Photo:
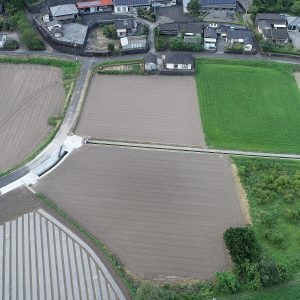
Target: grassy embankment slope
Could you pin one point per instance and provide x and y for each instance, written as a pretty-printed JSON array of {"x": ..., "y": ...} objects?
[{"x": 249, "y": 105}]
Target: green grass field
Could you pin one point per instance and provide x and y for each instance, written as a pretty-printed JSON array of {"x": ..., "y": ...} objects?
[
  {"x": 249, "y": 105},
  {"x": 273, "y": 190}
]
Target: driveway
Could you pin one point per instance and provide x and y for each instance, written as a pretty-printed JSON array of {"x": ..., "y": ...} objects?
[
  {"x": 295, "y": 37},
  {"x": 173, "y": 14}
]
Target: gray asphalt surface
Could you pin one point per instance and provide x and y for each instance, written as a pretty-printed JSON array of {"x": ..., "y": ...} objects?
[
  {"x": 162, "y": 213},
  {"x": 158, "y": 109}
]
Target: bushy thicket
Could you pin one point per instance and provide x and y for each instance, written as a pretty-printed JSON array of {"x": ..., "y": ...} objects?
[
  {"x": 29, "y": 36},
  {"x": 175, "y": 43},
  {"x": 110, "y": 31},
  {"x": 251, "y": 268}
]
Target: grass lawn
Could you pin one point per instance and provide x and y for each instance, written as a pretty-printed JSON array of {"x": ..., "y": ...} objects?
[
  {"x": 287, "y": 293},
  {"x": 249, "y": 105},
  {"x": 273, "y": 190}
]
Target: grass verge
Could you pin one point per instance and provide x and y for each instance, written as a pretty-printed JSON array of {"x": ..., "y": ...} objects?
[
  {"x": 70, "y": 71},
  {"x": 249, "y": 105}
]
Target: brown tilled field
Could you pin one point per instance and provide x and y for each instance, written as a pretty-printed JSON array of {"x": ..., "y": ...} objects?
[
  {"x": 157, "y": 109},
  {"x": 30, "y": 94},
  {"x": 163, "y": 213}
]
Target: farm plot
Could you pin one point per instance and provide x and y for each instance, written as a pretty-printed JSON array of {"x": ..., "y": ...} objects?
[
  {"x": 30, "y": 94},
  {"x": 249, "y": 105},
  {"x": 162, "y": 213},
  {"x": 142, "y": 108}
]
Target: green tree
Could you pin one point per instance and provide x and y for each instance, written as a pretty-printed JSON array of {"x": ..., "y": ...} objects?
[
  {"x": 111, "y": 47},
  {"x": 227, "y": 282},
  {"x": 193, "y": 7},
  {"x": 295, "y": 9}
]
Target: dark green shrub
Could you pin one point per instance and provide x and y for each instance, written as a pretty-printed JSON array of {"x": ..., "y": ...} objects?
[
  {"x": 292, "y": 214},
  {"x": 111, "y": 47},
  {"x": 11, "y": 44},
  {"x": 227, "y": 282},
  {"x": 110, "y": 31},
  {"x": 53, "y": 120},
  {"x": 242, "y": 244},
  {"x": 274, "y": 237},
  {"x": 272, "y": 273},
  {"x": 268, "y": 218}
]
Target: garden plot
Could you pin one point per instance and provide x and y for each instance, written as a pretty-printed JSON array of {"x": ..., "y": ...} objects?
[
  {"x": 30, "y": 94},
  {"x": 162, "y": 213},
  {"x": 143, "y": 108}
]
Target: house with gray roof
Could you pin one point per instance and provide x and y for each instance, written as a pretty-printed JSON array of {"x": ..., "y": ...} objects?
[
  {"x": 133, "y": 42},
  {"x": 125, "y": 27},
  {"x": 238, "y": 34},
  {"x": 174, "y": 61},
  {"x": 210, "y": 38},
  {"x": 130, "y": 6},
  {"x": 64, "y": 12},
  {"x": 272, "y": 27},
  {"x": 293, "y": 23}
]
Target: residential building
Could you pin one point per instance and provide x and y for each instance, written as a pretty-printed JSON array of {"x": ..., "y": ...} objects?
[
  {"x": 94, "y": 6},
  {"x": 178, "y": 61},
  {"x": 2, "y": 40},
  {"x": 239, "y": 34},
  {"x": 210, "y": 39},
  {"x": 45, "y": 12},
  {"x": 150, "y": 62},
  {"x": 133, "y": 42},
  {"x": 224, "y": 5},
  {"x": 171, "y": 29},
  {"x": 273, "y": 27},
  {"x": 293, "y": 23},
  {"x": 175, "y": 29},
  {"x": 130, "y": 6},
  {"x": 163, "y": 3},
  {"x": 64, "y": 12},
  {"x": 125, "y": 27}
]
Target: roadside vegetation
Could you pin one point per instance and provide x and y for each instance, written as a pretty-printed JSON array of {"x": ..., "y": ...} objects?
[
  {"x": 17, "y": 18},
  {"x": 249, "y": 105},
  {"x": 121, "y": 67},
  {"x": 70, "y": 71}
]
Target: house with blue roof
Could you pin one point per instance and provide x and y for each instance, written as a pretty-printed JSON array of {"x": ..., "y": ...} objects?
[
  {"x": 224, "y": 5},
  {"x": 129, "y": 6},
  {"x": 209, "y": 5}
]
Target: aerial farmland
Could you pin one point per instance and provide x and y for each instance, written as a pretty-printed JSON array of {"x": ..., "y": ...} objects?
[{"x": 30, "y": 94}]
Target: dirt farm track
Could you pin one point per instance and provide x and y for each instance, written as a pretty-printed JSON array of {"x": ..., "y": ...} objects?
[
  {"x": 163, "y": 213},
  {"x": 158, "y": 109},
  {"x": 29, "y": 95}
]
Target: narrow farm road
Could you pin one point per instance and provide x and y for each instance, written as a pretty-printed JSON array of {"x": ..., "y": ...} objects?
[{"x": 180, "y": 148}]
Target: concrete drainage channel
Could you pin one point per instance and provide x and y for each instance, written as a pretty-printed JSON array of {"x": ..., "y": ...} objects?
[{"x": 42, "y": 168}]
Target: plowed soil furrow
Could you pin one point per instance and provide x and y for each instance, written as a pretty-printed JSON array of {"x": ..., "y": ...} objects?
[{"x": 30, "y": 94}]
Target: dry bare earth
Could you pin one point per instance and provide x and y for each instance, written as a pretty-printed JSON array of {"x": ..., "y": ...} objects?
[
  {"x": 162, "y": 213},
  {"x": 30, "y": 94},
  {"x": 143, "y": 108}
]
